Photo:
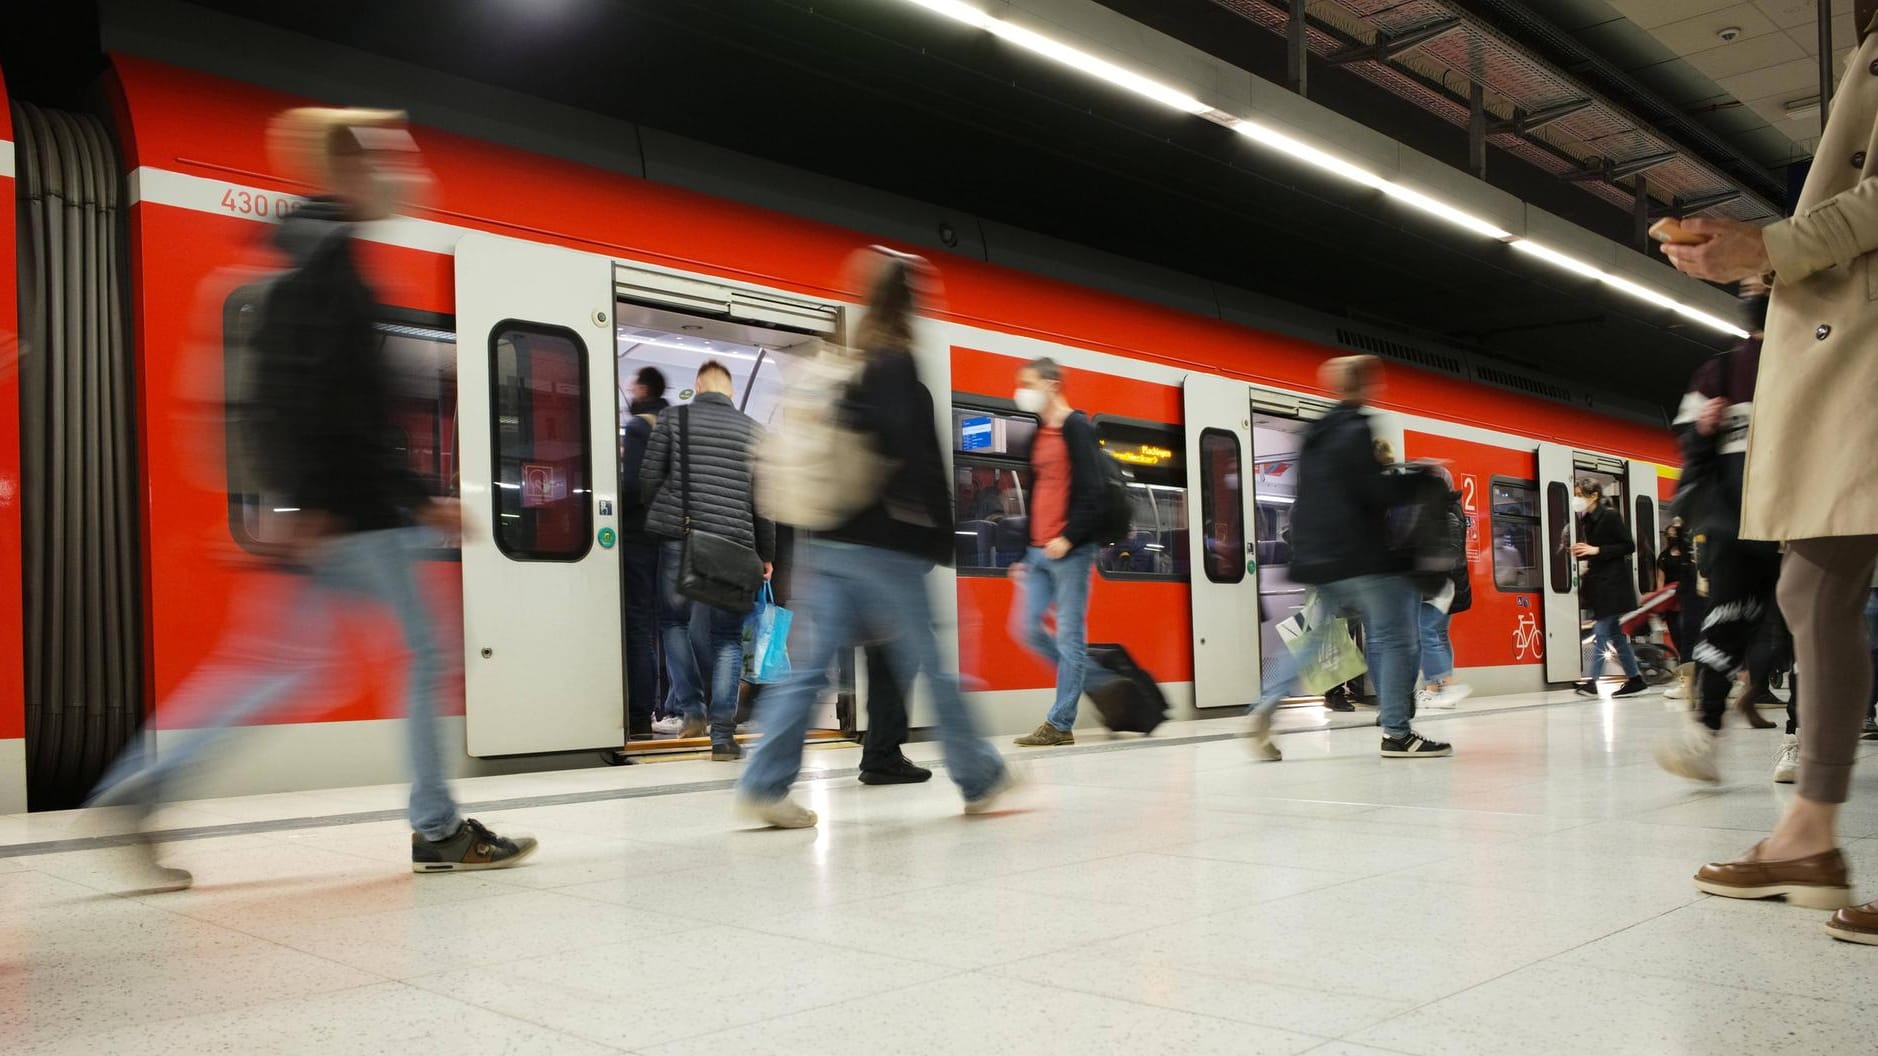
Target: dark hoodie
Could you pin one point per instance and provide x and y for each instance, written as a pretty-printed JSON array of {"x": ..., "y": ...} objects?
[
  {"x": 1338, "y": 524},
  {"x": 642, "y": 416},
  {"x": 321, "y": 398},
  {"x": 1720, "y": 460}
]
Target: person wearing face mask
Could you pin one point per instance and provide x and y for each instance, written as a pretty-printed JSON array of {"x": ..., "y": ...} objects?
[
  {"x": 319, "y": 408},
  {"x": 1065, "y": 511},
  {"x": 1604, "y": 544}
]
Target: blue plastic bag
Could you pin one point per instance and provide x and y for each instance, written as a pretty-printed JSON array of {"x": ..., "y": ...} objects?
[{"x": 766, "y": 640}]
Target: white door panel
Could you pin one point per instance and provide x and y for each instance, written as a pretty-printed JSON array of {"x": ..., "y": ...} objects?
[
  {"x": 540, "y": 476},
  {"x": 1221, "y": 543},
  {"x": 1560, "y": 581}
]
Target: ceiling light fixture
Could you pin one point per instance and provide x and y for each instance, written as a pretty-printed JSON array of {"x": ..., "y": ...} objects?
[{"x": 1295, "y": 148}]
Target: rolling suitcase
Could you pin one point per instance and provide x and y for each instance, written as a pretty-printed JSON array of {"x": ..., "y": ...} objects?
[{"x": 1126, "y": 696}]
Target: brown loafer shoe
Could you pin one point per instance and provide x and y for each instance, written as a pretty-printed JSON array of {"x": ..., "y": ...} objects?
[
  {"x": 1817, "y": 882},
  {"x": 1855, "y": 924}
]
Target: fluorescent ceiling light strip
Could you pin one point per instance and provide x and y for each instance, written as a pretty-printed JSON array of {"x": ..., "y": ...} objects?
[{"x": 1057, "y": 51}]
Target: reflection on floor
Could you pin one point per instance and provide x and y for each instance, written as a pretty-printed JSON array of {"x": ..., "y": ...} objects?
[{"x": 1530, "y": 895}]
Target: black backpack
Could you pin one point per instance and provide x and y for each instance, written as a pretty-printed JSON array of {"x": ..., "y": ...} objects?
[
  {"x": 1127, "y": 698},
  {"x": 1417, "y": 531}
]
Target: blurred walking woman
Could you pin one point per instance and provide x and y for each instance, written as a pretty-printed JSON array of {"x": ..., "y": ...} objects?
[
  {"x": 865, "y": 581},
  {"x": 1606, "y": 588}
]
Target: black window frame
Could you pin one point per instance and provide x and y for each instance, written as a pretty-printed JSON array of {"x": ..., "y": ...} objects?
[
  {"x": 1537, "y": 521},
  {"x": 529, "y": 326},
  {"x": 1644, "y": 530},
  {"x": 1178, "y": 445},
  {"x": 1208, "y": 498},
  {"x": 993, "y": 405},
  {"x": 249, "y": 294},
  {"x": 1558, "y": 503}
]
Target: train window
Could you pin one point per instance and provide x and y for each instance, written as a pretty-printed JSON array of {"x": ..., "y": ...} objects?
[
  {"x": 541, "y": 442},
  {"x": 1516, "y": 535},
  {"x": 1222, "y": 507},
  {"x": 421, "y": 349},
  {"x": 993, "y": 517},
  {"x": 1558, "y": 506},
  {"x": 979, "y": 433},
  {"x": 1156, "y": 545},
  {"x": 1646, "y": 544}
]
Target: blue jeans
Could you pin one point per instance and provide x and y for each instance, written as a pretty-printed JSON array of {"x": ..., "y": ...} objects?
[
  {"x": 1281, "y": 674},
  {"x": 1387, "y": 606},
  {"x": 639, "y": 585},
  {"x": 1437, "y": 650},
  {"x": 1064, "y": 585},
  {"x": 855, "y": 594},
  {"x": 681, "y": 662},
  {"x": 1607, "y": 632},
  {"x": 247, "y": 677}
]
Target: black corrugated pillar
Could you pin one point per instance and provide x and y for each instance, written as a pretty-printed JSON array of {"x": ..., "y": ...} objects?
[
  {"x": 1298, "y": 51},
  {"x": 1825, "y": 61},
  {"x": 1640, "y": 211},
  {"x": 1477, "y": 131}
]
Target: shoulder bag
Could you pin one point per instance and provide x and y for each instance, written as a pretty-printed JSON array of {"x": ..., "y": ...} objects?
[{"x": 712, "y": 569}]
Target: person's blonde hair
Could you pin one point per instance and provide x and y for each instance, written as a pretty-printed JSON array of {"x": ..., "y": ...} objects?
[
  {"x": 1350, "y": 377},
  {"x": 303, "y": 143}
]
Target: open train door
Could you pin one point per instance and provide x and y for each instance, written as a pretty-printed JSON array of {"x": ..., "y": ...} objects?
[
  {"x": 1557, "y": 525},
  {"x": 1640, "y": 487},
  {"x": 1225, "y": 576},
  {"x": 537, "y": 414}
]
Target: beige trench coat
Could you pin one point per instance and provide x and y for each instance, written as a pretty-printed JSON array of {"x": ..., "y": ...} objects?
[{"x": 1812, "y": 468}]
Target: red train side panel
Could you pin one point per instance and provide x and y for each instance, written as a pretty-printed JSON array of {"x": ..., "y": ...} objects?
[{"x": 12, "y": 620}]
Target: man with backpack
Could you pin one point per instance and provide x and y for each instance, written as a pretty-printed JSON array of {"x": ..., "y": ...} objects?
[
  {"x": 698, "y": 477},
  {"x": 1066, "y": 511},
  {"x": 1343, "y": 545},
  {"x": 639, "y": 556}
]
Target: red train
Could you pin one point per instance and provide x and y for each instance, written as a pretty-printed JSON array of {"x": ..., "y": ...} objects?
[{"x": 531, "y": 287}]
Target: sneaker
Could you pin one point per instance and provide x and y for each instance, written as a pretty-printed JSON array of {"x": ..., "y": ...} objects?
[
  {"x": 1046, "y": 736},
  {"x": 901, "y": 771},
  {"x": 473, "y": 847},
  {"x": 153, "y": 877},
  {"x": 693, "y": 729},
  {"x": 1631, "y": 687},
  {"x": 1586, "y": 687},
  {"x": 667, "y": 726},
  {"x": 1424, "y": 699},
  {"x": 1690, "y": 753},
  {"x": 1677, "y": 691},
  {"x": 1414, "y": 746},
  {"x": 1338, "y": 700},
  {"x": 1787, "y": 763},
  {"x": 1262, "y": 746},
  {"x": 1450, "y": 695},
  {"x": 987, "y": 801},
  {"x": 726, "y": 752},
  {"x": 1871, "y": 730},
  {"x": 784, "y": 813}
]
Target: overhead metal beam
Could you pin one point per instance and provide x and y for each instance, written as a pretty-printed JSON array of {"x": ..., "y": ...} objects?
[
  {"x": 1682, "y": 207},
  {"x": 1386, "y": 48},
  {"x": 1522, "y": 124},
  {"x": 1297, "y": 50},
  {"x": 1622, "y": 169},
  {"x": 1477, "y": 130},
  {"x": 1640, "y": 215}
]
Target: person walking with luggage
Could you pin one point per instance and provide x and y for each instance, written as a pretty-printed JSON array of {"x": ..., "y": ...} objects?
[
  {"x": 1742, "y": 631},
  {"x": 865, "y": 580},
  {"x": 697, "y": 476},
  {"x": 1065, "y": 510},
  {"x": 1809, "y": 481},
  {"x": 1603, "y": 545},
  {"x": 639, "y": 556},
  {"x": 320, "y": 410},
  {"x": 1439, "y": 689},
  {"x": 1341, "y": 547}
]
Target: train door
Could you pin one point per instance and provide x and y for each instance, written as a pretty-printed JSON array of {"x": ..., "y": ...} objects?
[
  {"x": 1559, "y": 468},
  {"x": 1221, "y": 547},
  {"x": 1279, "y": 422},
  {"x": 541, "y": 603}
]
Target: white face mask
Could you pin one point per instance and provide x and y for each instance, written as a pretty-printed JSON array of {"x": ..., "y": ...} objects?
[
  {"x": 1030, "y": 401},
  {"x": 1580, "y": 504}
]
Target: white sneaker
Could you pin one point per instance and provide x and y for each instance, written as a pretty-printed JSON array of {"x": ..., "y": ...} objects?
[
  {"x": 1690, "y": 754},
  {"x": 784, "y": 813},
  {"x": 668, "y": 725},
  {"x": 1787, "y": 763},
  {"x": 1449, "y": 696},
  {"x": 1424, "y": 699},
  {"x": 1262, "y": 746},
  {"x": 988, "y": 800},
  {"x": 1677, "y": 690}
]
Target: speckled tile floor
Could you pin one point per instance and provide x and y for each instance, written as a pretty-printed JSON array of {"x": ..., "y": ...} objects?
[{"x": 1530, "y": 895}]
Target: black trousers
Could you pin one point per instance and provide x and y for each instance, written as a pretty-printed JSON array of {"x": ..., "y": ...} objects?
[
  {"x": 887, "y": 724},
  {"x": 1742, "y": 579}
]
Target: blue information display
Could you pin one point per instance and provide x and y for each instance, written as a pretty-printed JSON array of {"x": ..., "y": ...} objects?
[{"x": 975, "y": 434}]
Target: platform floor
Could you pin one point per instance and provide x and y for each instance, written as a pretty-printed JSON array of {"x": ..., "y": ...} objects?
[{"x": 1530, "y": 895}]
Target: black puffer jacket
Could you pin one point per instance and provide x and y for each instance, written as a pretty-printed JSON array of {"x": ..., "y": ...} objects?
[
  {"x": 721, "y": 463},
  {"x": 914, "y": 512},
  {"x": 1338, "y": 526},
  {"x": 1607, "y": 589},
  {"x": 317, "y": 409}
]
